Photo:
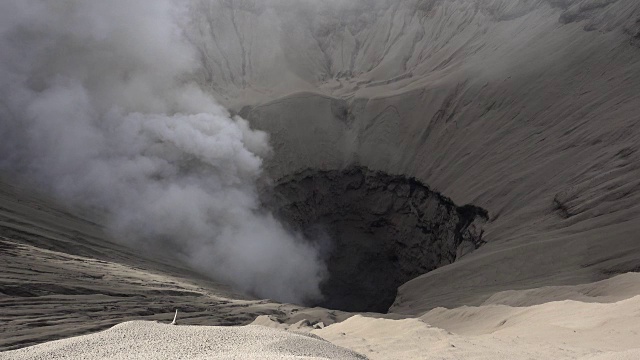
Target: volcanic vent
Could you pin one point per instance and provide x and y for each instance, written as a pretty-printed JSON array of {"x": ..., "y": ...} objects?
[{"x": 379, "y": 231}]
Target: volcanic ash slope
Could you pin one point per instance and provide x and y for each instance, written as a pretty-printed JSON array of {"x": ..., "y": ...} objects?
[{"x": 528, "y": 109}]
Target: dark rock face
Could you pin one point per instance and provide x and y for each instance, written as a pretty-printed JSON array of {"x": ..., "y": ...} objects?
[{"x": 379, "y": 231}]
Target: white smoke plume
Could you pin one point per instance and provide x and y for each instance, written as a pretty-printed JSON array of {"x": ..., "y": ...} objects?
[{"x": 96, "y": 106}]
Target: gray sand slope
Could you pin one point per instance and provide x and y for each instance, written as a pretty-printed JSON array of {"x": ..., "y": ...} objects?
[
  {"x": 604, "y": 324},
  {"x": 526, "y": 108},
  {"x": 61, "y": 276},
  {"x": 149, "y": 340}
]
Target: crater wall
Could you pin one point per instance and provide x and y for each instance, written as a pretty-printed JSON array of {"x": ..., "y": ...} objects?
[{"x": 377, "y": 231}]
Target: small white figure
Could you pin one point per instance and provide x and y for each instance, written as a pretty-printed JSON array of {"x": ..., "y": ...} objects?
[{"x": 174, "y": 318}]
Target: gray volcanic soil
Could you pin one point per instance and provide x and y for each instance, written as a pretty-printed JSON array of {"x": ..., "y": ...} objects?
[
  {"x": 378, "y": 231},
  {"x": 61, "y": 276},
  {"x": 526, "y": 108}
]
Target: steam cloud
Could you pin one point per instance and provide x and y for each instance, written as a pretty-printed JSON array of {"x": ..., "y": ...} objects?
[{"x": 96, "y": 106}]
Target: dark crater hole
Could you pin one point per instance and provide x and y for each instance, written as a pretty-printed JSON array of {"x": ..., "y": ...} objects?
[{"x": 377, "y": 230}]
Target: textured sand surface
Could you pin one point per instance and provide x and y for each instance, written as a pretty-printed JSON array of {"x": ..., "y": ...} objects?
[
  {"x": 150, "y": 340},
  {"x": 553, "y": 330},
  {"x": 603, "y": 325}
]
